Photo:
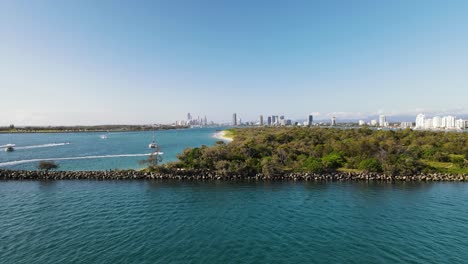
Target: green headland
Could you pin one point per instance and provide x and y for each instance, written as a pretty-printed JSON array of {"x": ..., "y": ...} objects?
[{"x": 272, "y": 151}]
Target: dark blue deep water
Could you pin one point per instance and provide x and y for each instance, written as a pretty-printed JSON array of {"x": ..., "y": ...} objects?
[{"x": 223, "y": 222}]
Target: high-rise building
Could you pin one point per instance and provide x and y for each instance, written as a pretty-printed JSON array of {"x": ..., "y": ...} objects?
[
  {"x": 420, "y": 121},
  {"x": 269, "y": 121},
  {"x": 448, "y": 122},
  {"x": 382, "y": 120},
  {"x": 333, "y": 121},
  {"x": 460, "y": 124},
  {"x": 205, "y": 121},
  {"x": 436, "y": 122},
  {"x": 406, "y": 124},
  {"x": 261, "y": 120},
  {"x": 234, "y": 119},
  {"x": 189, "y": 117},
  {"x": 428, "y": 123},
  {"x": 310, "y": 120},
  {"x": 361, "y": 122}
]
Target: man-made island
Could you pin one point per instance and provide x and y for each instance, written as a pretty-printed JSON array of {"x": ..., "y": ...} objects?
[{"x": 308, "y": 154}]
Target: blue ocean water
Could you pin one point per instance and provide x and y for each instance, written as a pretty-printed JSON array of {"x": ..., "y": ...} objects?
[
  {"x": 226, "y": 222},
  {"x": 121, "y": 150}
]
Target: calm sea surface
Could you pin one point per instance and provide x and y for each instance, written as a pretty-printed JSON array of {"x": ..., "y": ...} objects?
[
  {"x": 118, "y": 151},
  {"x": 209, "y": 222}
]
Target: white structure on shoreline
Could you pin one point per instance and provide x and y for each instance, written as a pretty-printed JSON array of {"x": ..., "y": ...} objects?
[
  {"x": 420, "y": 121},
  {"x": 406, "y": 124},
  {"x": 383, "y": 121},
  {"x": 437, "y": 122}
]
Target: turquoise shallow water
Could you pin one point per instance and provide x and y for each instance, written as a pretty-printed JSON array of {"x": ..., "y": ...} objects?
[
  {"x": 118, "y": 151},
  {"x": 223, "y": 222}
]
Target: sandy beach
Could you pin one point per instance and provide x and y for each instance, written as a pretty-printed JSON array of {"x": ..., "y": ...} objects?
[{"x": 222, "y": 135}]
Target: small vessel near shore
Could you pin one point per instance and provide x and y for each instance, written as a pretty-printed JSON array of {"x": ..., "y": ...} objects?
[
  {"x": 9, "y": 147},
  {"x": 104, "y": 136},
  {"x": 153, "y": 144}
]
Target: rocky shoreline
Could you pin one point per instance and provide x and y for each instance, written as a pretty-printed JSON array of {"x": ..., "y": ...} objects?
[{"x": 195, "y": 175}]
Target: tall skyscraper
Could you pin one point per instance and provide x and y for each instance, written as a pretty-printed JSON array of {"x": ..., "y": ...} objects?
[
  {"x": 436, "y": 122},
  {"x": 189, "y": 117},
  {"x": 310, "y": 120},
  {"x": 261, "y": 120},
  {"x": 420, "y": 121},
  {"x": 269, "y": 121},
  {"x": 333, "y": 121},
  {"x": 234, "y": 119},
  {"x": 382, "y": 120},
  {"x": 448, "y": 122}
]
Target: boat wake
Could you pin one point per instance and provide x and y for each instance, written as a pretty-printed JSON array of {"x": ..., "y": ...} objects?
[
  {"x": 44, "y": 145},
  {"x": 17, "y": 162}
]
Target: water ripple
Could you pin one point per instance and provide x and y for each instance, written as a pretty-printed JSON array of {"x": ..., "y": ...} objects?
[{"x": 176, "y": 222}]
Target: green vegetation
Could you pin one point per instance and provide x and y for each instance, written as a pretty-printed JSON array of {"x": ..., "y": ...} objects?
[
  {"x": 47, "y": 165},
  {"x": 274, "y": 151},
  {"x": 153, "y": 160},
  {"x": 230, "y": 133}
]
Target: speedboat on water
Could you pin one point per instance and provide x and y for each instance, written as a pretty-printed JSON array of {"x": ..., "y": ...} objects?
[
  {"x": 103, "y": 136},
  {"x": 9, "y": 147}
]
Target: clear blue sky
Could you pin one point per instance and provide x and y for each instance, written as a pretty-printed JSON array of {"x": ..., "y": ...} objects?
[{"x": 96, "y": 62}]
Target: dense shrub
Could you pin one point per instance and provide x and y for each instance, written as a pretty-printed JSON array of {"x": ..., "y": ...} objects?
[
  {"x": 273, "y": 151},
  {"x": 370, "y": 165}
]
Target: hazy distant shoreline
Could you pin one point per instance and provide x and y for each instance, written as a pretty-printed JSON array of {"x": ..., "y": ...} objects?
[{"x": 88, "y": 129}]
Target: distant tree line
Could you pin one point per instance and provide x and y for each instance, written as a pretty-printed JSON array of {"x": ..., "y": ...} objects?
[
  {"x": 100, "y": 128},
  {"x": 274, "y": 151}
]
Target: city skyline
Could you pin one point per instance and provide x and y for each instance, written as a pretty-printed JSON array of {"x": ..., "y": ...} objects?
[{"x": 88, "y": 63}]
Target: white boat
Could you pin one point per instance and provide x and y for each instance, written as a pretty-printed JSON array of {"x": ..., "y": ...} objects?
[
  {"x": 152, "y": 145},
  {"x": 105, "y": 135},
  {"x": 9, "y": 147}
]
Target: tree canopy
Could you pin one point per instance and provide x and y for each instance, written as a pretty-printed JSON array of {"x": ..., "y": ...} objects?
[
  {"x": 47, "y": 165},
  {"x": 274, "y": 151}
]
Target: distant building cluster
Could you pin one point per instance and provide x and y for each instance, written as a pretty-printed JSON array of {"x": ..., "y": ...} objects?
[
  {"x": 382, "y": 122},
  {"x": 192, "y": 121},
  {"x": 422, "y": 122},
  {"x": 279, "y": 120},
  {"x": 438, "y": 122},
  {"x": 275, "y": 120}
]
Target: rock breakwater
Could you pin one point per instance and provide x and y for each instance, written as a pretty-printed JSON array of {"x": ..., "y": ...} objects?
[{"x": 191, "y": 175}]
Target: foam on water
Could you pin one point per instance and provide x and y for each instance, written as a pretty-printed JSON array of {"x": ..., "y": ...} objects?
[
  {"x": 43, "y": 146},
  {"x": 52, "y": 146},
  {"x": 60, "y": 222},
  {"x": 17, "y": 162}
]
